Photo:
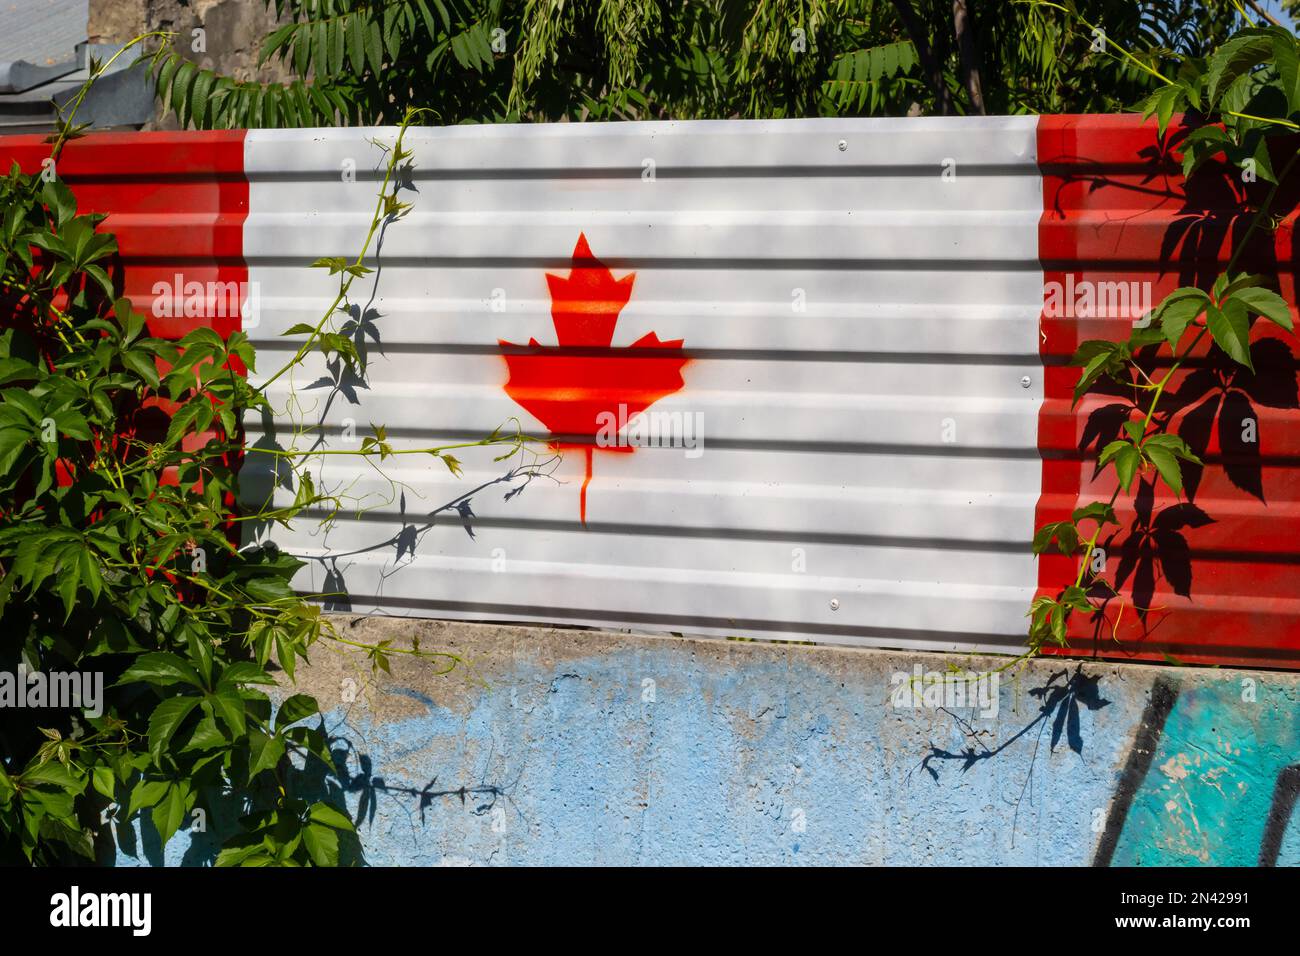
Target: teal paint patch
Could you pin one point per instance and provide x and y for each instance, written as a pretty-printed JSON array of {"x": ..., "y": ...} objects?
[{"x": 1209, "y": 792}]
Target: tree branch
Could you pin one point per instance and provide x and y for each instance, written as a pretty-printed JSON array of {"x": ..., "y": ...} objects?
[
  {"x": 929, "y": 65},
  {"x": 1264, "y": 13},
  {"x": 964, "y": 27}
]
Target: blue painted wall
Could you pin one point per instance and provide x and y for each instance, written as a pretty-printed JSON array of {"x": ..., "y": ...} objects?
[{"x": 585, "y": 748}]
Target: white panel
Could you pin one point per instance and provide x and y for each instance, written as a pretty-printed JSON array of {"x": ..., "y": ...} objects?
[{"x": 859, "y": 329}]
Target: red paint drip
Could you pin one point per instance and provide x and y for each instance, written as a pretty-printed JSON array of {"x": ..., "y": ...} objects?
[{"x": 582, "y": 496}]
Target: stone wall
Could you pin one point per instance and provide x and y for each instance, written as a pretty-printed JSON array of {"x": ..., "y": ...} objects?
[{"x": 233, "y": 31}]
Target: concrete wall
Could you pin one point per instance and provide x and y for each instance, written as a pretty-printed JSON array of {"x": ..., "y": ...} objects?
[
  {"x": 585, "y": 747},
  {"x": 233, "y": 31}
]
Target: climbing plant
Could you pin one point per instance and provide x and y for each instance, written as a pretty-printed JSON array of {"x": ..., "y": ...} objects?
[
  {"x": 120, "y": 555},
  {"x": 1243, "y": 106}
]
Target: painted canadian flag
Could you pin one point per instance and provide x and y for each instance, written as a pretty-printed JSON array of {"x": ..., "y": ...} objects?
[{"x": 879, "y": 314}]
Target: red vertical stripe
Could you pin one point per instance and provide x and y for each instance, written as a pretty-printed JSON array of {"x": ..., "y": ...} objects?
[
  {"x": 1217, "y": 571},
  {"x": 176, "y": 203}
]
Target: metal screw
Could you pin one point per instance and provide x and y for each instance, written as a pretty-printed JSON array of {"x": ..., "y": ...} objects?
[
  {"x": 835, "y": 604},
  {"x": 1024, "y": 382},
  {"x": 844, "y": 144}
]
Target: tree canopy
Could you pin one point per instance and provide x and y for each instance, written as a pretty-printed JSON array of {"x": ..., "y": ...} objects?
[{"x": 367, "y": 61}]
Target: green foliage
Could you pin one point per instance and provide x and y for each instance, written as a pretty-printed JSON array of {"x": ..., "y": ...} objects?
[
  {"x": 363, "y": 62},
  {"x": 100, "y": 526},
  {"x": 118, "y": 557},
  {"x": 1251, "y": 84},
  {"x": 860, "y": 79}
]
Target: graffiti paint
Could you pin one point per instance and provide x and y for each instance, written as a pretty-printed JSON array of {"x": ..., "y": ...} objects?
[{"x": 1212, "y": 783}]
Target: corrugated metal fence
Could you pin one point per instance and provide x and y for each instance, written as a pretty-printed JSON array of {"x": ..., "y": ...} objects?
[{"x": 837, "y": 323}]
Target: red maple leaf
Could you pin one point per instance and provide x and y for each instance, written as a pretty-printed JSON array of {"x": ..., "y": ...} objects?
[{"x": 570, "y": 385}]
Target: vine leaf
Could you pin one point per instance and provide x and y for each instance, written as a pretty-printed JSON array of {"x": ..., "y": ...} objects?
[{"x": 1230, "y": 327}]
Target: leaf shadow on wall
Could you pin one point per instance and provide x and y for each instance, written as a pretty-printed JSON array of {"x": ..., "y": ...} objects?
[
  {"x": 311, "y": 782},
  {"x": 346, "y": 382},
  {"x": 1061, "y": 701},
  {"x": 404, "y": 541},
  {"x": 480, "y": 797},
  {"x": 1060, "y": 698}
]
